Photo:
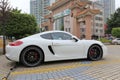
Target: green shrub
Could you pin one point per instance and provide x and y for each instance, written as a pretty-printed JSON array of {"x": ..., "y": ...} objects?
[{"x": 116, "y": 32}]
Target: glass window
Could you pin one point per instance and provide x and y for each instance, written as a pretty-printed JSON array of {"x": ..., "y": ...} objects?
[
  {"x": 101, "y": 25},
  {"x": 97, "y": 24},
  {"x": 65, "y": 29},
  {"x": 46, "y": 36},
  {"x": 96, "y": 30},
  {"x": 61, "y": 36},
  {"x": 101, "y": 31},
  {"x": 69, "y": 29},
  {"x": 82, "y": 29}
]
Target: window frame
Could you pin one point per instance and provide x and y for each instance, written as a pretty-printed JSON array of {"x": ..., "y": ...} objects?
[{"x": 52, "y": 38}]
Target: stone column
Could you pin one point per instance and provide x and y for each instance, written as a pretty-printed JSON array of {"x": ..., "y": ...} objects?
[
  {"x": 88, "y": 32},
  {"x": 75, "y": 27},
  {"x": 50, "y": 27},
  {"x": 75, "y": 24}
]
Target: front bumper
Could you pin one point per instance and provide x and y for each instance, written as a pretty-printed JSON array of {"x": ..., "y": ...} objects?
[{"x": 105, "y": 51}]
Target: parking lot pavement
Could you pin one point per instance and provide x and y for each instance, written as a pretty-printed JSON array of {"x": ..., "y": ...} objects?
[{"x": 105, "y": 69}]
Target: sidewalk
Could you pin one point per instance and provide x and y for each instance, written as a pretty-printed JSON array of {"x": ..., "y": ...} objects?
[{"x": 5, "y": 65}]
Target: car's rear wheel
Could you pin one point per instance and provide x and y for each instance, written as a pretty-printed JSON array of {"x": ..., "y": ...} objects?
[
  {"x": 31, "y": 56},
  {"x": 95, "y": 53}
]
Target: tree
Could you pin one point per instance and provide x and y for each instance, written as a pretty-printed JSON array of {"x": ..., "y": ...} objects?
[
  {"x": 20, "y": 25},
  {"x": 116, "y": 32},
  {"x": 113, "y": 21},
  {"x": 15, "y": 10},
  {"x": 4, "y": 16}
]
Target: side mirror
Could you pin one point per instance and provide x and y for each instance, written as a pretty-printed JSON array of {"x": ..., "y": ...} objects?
[{"x": 75, "y": 38}]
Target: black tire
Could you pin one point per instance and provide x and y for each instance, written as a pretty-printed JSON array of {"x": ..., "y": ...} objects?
[
  {"x": 31, "y": 56},
  {"x": 95, "y": 53}
]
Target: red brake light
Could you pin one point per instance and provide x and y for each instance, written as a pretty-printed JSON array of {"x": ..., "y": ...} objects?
[{"x": 16, "y": 43}]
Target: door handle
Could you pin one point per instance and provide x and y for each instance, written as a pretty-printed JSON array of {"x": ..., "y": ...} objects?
[{"x": 56, "y": 43}]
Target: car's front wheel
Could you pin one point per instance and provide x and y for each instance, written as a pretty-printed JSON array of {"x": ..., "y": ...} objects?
[
  {"x": 31, "y": 56},
  {"x": 95, "y": 53}
]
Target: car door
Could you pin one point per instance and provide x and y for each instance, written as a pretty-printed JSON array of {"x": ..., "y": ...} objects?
[
  {"x": 118, "y": 40},
  {"x": 64, "y": 46}
]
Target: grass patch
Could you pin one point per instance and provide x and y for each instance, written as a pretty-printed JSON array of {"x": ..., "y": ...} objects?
[{"x": 104, "y": 40}]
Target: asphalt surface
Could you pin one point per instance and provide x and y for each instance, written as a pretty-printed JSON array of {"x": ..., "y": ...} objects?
[{"x": 82, "y": 69}]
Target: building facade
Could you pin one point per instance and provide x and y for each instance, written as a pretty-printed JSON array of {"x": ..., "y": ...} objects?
[
  {"x": 78, "y": 17},
  {"x": 98, "y": 26},
  {"x": 109, "y": 8},
  {"x": 38, "y": 9}
]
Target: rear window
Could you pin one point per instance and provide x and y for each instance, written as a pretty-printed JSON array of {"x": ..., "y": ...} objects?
[{"x": 46, "y": 36}]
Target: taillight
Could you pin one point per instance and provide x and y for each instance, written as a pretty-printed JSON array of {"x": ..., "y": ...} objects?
[{"x": 16, "y": 43}]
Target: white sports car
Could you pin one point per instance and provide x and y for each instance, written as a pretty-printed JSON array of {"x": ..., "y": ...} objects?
[{"x": 51, "y": 46}]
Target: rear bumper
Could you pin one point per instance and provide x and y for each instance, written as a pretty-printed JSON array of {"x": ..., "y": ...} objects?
[
  {"x": 8, "y": 58},
  {"x": 13, "y": 53}
]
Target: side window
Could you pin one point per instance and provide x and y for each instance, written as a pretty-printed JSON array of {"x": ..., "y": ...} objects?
[
  {"x": 67, "y": 36},
  {"x": 46, "y": 36},
  {"x": 61, "y": 36}
]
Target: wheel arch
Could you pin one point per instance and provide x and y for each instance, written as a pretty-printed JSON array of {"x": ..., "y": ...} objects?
[
  {"x": 32, "y": 46},
  {"x": 93, "y": 45}
]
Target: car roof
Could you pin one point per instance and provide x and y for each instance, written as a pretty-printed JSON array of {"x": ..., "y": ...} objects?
[{"x": 54, "y": 31}]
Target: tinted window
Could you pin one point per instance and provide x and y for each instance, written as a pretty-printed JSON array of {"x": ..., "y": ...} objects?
[
  {"x": 61, "y": 36},
  {"x": 46, "y": 36}
]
